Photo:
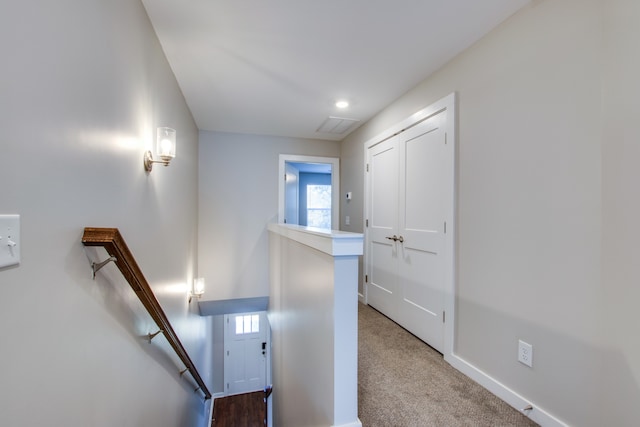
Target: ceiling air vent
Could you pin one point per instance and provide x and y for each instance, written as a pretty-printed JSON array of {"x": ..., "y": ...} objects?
[{"x": 337, "y": 125}]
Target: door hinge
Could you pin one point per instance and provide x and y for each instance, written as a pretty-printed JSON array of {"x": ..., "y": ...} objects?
[
  {"x": 366, "y": 278},
  {"x": 443, "y": 316},
  {"x": 227, "y": 386},
  {"x": 445, "y": 227},
  {"x": 367, "y": 223},
  {"x": 285, "y": 177},
  {"x": 227, "y": 352},
  {"x": 445, "y": 138},
  {"x": 367, "y": 167}
]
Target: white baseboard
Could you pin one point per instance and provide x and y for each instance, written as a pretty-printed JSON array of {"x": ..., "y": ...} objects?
[
  {"x": 537, "y": 414},
  {"x": 210, "y": 419},
  {"x": 356, "y": 423},
  {"x": 361, "y": 298}
]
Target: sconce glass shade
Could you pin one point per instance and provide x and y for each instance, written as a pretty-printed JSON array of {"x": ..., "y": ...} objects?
[
  {"x": 166, "y": 144},
  {"x": 198, "y": 286},
  {"x": 165, "y": 148}
]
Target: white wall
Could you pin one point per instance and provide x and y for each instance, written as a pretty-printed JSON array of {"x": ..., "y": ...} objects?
[
  {"x": 84, "y": 85},
  {"x": 352, "y": 173},
  {"x": 621, "y": 212},
  {"x": 238, "y": 197},
  {"x": 529, "y": 202}
]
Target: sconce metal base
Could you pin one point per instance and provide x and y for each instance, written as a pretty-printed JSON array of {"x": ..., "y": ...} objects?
[{"x": 148, "y": 161}]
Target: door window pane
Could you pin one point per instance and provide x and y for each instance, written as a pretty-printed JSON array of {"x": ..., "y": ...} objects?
[
  {"x": 255, "y": 323},
  {"x": 247, "y": 324},
  {"x": 239, "y": 325}
]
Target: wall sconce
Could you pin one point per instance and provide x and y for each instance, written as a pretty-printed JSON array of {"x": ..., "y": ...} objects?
[
  {"x": 198, "y": 288},
  {"x": 165, "y": 148}
]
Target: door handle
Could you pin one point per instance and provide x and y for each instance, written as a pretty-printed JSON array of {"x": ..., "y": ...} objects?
[
  {"x": 401, "y": 239},
  {"x": 394, "y": 238}
]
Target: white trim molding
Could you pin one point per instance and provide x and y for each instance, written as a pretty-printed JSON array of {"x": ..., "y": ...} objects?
[
  {"x": 536, "y": 414},
  {"x": 353, "y": 424},
  {"x": 331, "y": 242}
]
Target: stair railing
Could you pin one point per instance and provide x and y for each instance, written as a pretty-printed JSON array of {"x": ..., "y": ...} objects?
[{"x": 114, "y": 244}]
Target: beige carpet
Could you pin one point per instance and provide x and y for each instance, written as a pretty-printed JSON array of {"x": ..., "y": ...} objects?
[{"x": 404, "y": 382}]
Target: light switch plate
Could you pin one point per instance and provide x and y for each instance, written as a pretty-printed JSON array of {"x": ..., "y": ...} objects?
[{"x": 9, "y": 240}]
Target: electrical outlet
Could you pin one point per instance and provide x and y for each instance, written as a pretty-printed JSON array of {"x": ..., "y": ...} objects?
[{"x": 525, "y": 353}]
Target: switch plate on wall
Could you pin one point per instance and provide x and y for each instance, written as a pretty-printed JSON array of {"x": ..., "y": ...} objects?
[
  {"x": 9, "y": 240},
  {"x": 525, "y": 353}
]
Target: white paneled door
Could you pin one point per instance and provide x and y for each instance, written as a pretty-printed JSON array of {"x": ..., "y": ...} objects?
[
  {"x": 410, "y": 184},
  {"x": 245, "y": 346},
  {"x": 383, "y": 226}
]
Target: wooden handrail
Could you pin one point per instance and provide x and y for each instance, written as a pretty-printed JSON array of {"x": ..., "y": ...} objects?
[{"x": 112, "y": 241}]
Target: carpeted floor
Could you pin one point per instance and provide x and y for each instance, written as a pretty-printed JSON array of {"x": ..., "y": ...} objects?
[{"x": 403, "y": 382}]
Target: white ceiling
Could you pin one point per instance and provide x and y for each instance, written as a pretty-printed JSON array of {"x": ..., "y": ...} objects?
[{"x": 276, "y": 67}]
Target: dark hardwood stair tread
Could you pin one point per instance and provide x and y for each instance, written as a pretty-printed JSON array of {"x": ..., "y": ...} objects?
[{"x": 241, "y": 410}]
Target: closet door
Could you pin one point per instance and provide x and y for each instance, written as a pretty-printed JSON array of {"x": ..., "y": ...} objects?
[
  {"x": 382, "y": 250},
  {"x": 424, "y": 185},
  {"x": 409, "y": 189}
]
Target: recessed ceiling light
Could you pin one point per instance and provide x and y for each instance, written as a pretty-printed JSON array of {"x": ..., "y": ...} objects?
[{"x": 342, "y": 104}]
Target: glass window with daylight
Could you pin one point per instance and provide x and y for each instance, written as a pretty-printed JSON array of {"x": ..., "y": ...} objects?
[
  {"x": 247, "y": 324},
  {"x": 319, "y": 206}
]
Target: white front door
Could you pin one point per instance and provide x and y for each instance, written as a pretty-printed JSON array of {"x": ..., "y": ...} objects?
[
  {"x": 245, "y": 348},
  {"x": 410, "y": 184}
]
